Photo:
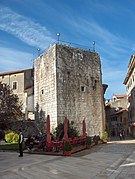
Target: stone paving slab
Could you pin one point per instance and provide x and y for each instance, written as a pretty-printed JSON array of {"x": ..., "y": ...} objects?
[{"x": 114, "y": 160}]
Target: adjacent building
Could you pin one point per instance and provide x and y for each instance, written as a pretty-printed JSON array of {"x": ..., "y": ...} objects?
[
  {"x": 130, "y": 90},
  {"x": 21, "y": 82},
  {"x": 117, "y": 114},
  {"x": 68, "y": 83}
]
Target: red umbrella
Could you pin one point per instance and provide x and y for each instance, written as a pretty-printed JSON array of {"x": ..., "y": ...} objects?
[
  {"x": 65, "y": 129},
  {"x": 48, "y": 140},
  {"x": 84, "y": 128}
]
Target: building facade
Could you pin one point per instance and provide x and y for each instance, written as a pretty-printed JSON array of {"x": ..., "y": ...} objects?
[
  {"x": 68, "y": 83},
  {"x": 21, "y": 82},
  {"x": 130, "y": 90},
  {"x": 117, "y": 114},
  {"x": 130, "y": 77}
]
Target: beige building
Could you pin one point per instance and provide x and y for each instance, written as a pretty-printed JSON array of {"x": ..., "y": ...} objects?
[
  {"x": 130, "y": 90},
  {"x": 130, "y": 77},
  {"x": 117, "y": 114},
  {"x": 68, "y": 82},
  {"x": 119, "y": 101},
  {"x": 21, "y": 82}
]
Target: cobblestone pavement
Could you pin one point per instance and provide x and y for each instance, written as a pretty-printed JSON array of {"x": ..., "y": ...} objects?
[{"x": 105, "y": 161}]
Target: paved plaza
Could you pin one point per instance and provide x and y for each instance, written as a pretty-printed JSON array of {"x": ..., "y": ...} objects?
[{"x": 105, "y": 161}]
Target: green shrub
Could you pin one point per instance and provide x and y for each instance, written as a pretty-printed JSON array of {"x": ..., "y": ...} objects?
[
  {"x": 105, "y": 135},
  {"x": 88, "y": 140},
  {"x": 67, "y": 146},
  {"x": 72, "y": 131},
  {"x": 11, "y": 137},
  {"x": 9, "y": 147},
  {"x": 15, "y": 138},
  {"x": 96, "y": 139}
]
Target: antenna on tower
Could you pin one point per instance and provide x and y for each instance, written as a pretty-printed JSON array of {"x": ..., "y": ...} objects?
[{"x": 94, "y": 46}]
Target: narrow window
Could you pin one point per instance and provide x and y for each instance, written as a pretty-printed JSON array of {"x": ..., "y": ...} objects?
[
  {"x": 14, "y": 85},
  {"x": 82, "y": 88},
  {"x": 68, "y": 73},
  {"x": 42, "y": 91}
]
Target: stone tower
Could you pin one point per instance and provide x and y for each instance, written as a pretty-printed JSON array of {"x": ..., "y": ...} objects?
[{"x": 68, "y": 82}]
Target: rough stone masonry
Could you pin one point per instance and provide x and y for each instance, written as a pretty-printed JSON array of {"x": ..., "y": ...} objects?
[{"x": 68, "y": 83}]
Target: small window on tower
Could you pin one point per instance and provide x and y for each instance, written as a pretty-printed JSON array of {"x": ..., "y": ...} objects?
[
  {"x": 82, "y": 88},
  {"x": 42, "y": 91}
]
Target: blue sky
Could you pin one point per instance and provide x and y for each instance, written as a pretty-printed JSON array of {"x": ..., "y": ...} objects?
[{"x": 26, "y": 25}]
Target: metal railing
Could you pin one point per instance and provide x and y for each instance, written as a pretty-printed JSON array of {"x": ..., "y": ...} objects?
[{"x": 69, "y": 44}]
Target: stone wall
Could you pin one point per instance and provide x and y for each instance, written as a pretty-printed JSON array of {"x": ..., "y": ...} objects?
[
  {"x": 45, "y": 85},
  {"x": 68, "y": 82},
  {"x": 79, "y": 88}
]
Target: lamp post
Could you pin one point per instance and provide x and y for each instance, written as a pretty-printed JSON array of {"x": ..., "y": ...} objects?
[
  {"x": 38, "y": 49},
  {"x": 93, "y": 46},
  {"x": 58, "y": 35}
]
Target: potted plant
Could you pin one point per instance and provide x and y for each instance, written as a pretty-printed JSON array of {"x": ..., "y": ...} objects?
[
  {"x": 88, "y": 142},
  {"x": 67, "y": 148},
  {"x": 105, "y": 137}
]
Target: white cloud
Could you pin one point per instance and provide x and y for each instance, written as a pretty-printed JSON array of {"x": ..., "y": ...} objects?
[
  {"x": 12, "y": 59},
  {"x": 91, "y": 29},
  {"x": 24, "y": 28},
  {"x": 114, "y": 77},
  {"x": 113, "y": 48}
]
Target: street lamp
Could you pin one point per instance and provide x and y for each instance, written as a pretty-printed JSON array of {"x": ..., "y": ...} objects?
[
  {"x": 93, "y": 46},
  {"x": 58, "y": 35},
  {"x": 38, "y": 49}
]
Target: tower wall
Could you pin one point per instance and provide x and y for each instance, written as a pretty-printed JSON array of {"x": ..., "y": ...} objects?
[
  {"x": 68, "y": 82},
  {"x": 79, "y": 88},
  {"x": 45, "y": 86}
]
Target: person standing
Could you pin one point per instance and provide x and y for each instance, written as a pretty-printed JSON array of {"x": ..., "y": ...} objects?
[
  {"x": 21, "y": 139},
  {"x": 120, "y": 134}
]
